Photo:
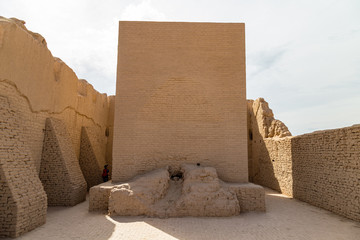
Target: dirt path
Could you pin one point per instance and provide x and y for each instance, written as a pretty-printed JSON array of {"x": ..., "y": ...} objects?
[{"x": 285, "y": 219}]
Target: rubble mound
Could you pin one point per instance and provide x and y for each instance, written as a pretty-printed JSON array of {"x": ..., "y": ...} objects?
[
  {"x": 139, "y": 196},
  {"x": 203, "y": 194},
  {"x": 190, "y": 191}
]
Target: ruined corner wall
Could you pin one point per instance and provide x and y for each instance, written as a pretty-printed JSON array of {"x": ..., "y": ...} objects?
[
  {"x": 37, "y": 86},
  {"x": 320, "y": 168},
  {"x": 180, "y": 98},
  {"x": 269, "y": 148}
]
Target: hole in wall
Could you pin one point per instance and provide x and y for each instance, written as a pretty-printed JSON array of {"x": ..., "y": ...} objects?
[
  {"x": 250, "y": 135},
  {"x": 107, "y": 132},
  {"x": 176, "y": 175}
]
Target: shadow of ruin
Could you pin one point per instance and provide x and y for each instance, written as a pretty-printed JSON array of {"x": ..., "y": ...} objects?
[{"x": 180, "y": 138}]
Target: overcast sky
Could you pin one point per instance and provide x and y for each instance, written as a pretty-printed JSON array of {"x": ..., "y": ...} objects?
[{"x": 303, "y": 57}]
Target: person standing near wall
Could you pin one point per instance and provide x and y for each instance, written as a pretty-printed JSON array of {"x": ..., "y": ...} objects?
[{"x": 105, "y": 174}]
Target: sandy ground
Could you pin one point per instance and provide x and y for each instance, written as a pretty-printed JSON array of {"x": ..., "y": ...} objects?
[{"x": 285, "y": 219}]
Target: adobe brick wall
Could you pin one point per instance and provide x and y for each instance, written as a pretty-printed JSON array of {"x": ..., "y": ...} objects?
[
  {"x": 270, "y": 159},
  {"x": 38, "y": 86},
  {"x": 274, "y": 159},
  {"x": 99, "y": 196},
  {"x": 41, "y": 86},
  {"x": 110, "y": 132},
  {"x": 320, "y": 168},
  {"x": 180, "y": 98},
  {"x": 326, "y": 170},
  {"x": 60, "y": 171},
  {"x": 92, "y": 156},
  {"x": 251, "y": 197},
  {"x": 22, "y": 197}
]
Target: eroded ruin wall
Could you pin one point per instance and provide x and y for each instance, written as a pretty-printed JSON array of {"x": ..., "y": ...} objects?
[
  {"x": 320, "y": 168},
  {"x": 22, "y": 197},
  {"x": 180, "y": 98},
  {"x": 269, "y": 148},
  {"x": 38, "y": 86}
]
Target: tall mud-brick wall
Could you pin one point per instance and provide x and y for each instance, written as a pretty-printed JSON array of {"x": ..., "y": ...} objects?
[
  {"x": 269, "y": 148},
  {"x": 326, "y": 170},
  {"x": 320, "y": 168},
  {"x": 60, "y": 170},
  {"x": 22, "y": 197},
  {"x": 180, "y": 98},
  {"x": 38, "y": 86}
]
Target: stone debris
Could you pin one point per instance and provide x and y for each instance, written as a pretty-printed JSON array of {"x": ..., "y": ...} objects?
[
  {"x": 139, "y": 196},
  {"x": 204, "y": 195}
]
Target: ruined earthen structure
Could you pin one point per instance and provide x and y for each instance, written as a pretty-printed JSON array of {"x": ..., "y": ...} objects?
[
  {"x": 39, "y": 158},
  {"x": 182, "y": 125},
  {"x": 320, "y": 168},
  {"x": 190, "y": 190}
]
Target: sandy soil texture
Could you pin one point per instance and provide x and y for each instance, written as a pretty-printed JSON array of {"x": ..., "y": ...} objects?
[{"x": 285, "y": 219}]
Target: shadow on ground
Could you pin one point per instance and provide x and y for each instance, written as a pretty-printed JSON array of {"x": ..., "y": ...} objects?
[{"x": 285, "y": 218}]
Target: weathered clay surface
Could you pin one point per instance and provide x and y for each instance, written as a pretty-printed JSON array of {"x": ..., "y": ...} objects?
[
  {"x": 203, "y": 194},
  {"x": 268, "y": 126},
  {"x": 35, "y": 86},
  {"x": 138, "y": 197},
  {"x": 198, "y": 193}
]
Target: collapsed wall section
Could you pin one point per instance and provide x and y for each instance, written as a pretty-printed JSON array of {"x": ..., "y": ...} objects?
[
  {"x": 180, "y": 98},
  {"x": 189, "y": 191},
  {"x": 60, "y": 172},
  {"x": 22, "y": 196}
]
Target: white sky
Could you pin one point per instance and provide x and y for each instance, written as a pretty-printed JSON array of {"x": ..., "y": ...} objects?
[{"x": 303, "y": 57}]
